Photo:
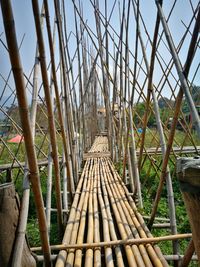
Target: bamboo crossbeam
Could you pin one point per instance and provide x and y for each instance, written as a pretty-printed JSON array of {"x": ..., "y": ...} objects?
[
  {"x": 117, "y": 242},
  {"x": 41, "y": 163},
  {"x": 167, "y": 257}
]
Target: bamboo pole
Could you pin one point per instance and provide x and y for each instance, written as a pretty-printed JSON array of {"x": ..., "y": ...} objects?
[
  {"x": 149, "y": 87},
  {"x": 51, "y": 121},
  {"x": 69, "y": 113},
  {"x": 105, "y": 82},
  {"x": 97, "y": 252},
  {"x": 106, "y": 234},
  {"x": 78, "y": 196},
  {"x": 26, "y": 126},
  {"x": 116, "y": 242},
  {"x": 80, "y": 82},
  {"x": 64, "y": 137}
]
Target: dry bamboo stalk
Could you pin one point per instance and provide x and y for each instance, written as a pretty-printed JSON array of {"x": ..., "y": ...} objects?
[
  {"x": 80, "y": 81},
  {"x": 79, "y": 225},
  {"x": 130, "y": 125},
  {"x": 50, "y": 161},
  {"x": 51, "y": 121},
  {"x": 125, "y": 231},
  {"x": 125, "y": 242},
  {"x": 80, "y": 237},
  {"x": 27, "y": 132},
  {"x": 90, "y": 233},
  {"x": 97, "y": 252},
  {"x": 111, "y": 225},
  {"x": 106, "y": 234},
  {"x": 149, "y": 87},
  {"x": 64, "y": 137},
  {"x": 49, "y": 191},
  {"x": 105, "y": 82},
  {"x": 66, "y": 239},
  {"x": 69, "y": 113}
]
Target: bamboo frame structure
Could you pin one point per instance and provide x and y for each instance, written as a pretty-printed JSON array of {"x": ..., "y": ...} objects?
[{"x": 105, "y": 111}]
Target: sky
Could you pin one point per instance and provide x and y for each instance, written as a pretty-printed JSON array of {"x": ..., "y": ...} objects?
[{"x": 24, "y": 23}]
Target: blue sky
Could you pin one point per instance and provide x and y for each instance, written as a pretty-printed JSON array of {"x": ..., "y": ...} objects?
[{"x": 24, "y": 22}]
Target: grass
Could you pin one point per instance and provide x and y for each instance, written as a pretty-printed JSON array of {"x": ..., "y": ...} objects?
[{"x": 152, "y": 138}]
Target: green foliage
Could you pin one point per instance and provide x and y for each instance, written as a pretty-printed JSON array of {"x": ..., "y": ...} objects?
[{"x": 139, "y": 111}]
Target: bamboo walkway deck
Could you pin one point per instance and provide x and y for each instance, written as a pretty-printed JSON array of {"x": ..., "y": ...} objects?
[{"x": 103, "y": 210}]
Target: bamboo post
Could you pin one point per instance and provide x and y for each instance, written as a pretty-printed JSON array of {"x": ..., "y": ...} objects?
[
  {"x": 188, "y": 172},
  {"x": 105, "y": 81},
  {"x": 55, "y": 82},
  {"x": 80, "y": 83},
  {"x": 20, "y": 237},
  {"x": 51, "y": 121},
  {"x": 26, "y": 126}
]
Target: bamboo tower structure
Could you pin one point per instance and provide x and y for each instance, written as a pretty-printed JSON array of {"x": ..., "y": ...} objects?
[{"x": 99, "y": 133}]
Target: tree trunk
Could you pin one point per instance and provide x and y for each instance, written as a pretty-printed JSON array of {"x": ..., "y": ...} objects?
[{"x": 9, "y": 214}]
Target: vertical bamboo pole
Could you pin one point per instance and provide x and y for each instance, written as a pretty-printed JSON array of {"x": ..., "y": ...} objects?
[
  {"x": 105, "y": 84},
  {"x": 64, "y": 137},
  {"x": 26, "y": 126},
  {"x": 23, "y": 216},
  {"x": 66, "y": 89},
  {"x": 149, "y": 88},
  {"x": 51, "y": 121},
  {"x": 80, "y": 83}
]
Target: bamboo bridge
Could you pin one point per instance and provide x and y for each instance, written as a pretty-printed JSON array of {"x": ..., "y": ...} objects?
[
  {"x": 99, "y": 133},
  {"x": 102, "y": 199}
]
